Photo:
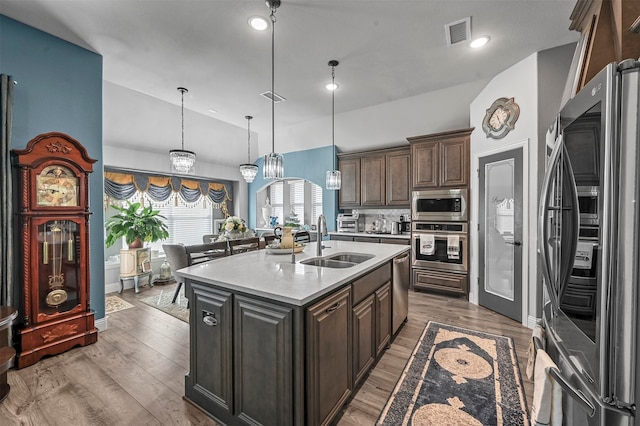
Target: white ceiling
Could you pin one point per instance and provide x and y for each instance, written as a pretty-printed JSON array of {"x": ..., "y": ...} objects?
[{"x": 388, "y": 51}]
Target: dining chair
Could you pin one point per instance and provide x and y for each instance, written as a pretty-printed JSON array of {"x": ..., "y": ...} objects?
[
  {"x": 178, "y": 258},
  {"x": 269, "y": 238},
  {"x": 209, "y": 238},
  {"x": 203, "y": 252},
  {"x": 242, "y": 245},
  {"x": 302, "y": 237}
]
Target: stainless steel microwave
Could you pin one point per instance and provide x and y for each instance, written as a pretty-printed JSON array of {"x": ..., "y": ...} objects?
[{"x": 440, "y": 205}]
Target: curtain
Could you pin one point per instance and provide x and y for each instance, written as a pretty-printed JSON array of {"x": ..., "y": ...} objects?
[
  {"x": 6, "y": 194},
  {"x": 122, "y": 185}
]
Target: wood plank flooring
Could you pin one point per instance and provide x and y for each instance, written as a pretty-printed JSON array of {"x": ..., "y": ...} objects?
[{"x": 134, "y": 374}]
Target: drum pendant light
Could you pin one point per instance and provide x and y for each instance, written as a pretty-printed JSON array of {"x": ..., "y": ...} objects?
[
  {"x": 249, "y": 171},
  {"x": 273, "y": 167},
  {"x": 334, "y": 179},
  {"x": 182, "y": 160}
]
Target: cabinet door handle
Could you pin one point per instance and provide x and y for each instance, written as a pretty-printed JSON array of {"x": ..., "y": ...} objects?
[
  {"x": 513, "y": 243},
  {"x": 333, "y": 308},
  {"x": 210, "y": 320}
]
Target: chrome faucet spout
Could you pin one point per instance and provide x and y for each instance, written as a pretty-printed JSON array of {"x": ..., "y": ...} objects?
[{"x": 322, "y": 230}]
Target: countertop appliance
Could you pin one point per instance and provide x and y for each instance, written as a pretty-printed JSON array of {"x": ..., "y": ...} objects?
[
  {"x": 350, "y": 222},
  {"x": 401, "y": 280},
  {"x": 591, "y": 318},
  {"x": 439, "y": 205}
]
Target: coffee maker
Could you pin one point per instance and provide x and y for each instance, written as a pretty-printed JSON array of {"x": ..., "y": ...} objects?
[{"x": 405, "y": 224}]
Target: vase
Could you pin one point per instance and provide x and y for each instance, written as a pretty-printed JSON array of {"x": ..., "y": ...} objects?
[
  {"x": 233, "y": 235},
  {"x": 266, "y": 213},
  {"x": 137, "y": 243},
  {"x": 287, "y": 238}
]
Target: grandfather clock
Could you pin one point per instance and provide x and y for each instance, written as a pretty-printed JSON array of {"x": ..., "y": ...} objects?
[{"x": 53, "y": 175}]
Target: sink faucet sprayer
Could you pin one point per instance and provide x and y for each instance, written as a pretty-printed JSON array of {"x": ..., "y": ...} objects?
[{"x": 322, "y": 230}]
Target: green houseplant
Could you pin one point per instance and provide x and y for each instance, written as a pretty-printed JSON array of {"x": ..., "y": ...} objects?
[{"x": 136, "y": 224}]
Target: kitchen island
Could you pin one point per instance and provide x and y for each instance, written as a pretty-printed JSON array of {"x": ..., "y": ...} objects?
[{"x": 275, "y": 342}]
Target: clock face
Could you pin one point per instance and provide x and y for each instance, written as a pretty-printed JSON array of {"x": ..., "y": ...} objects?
[
  {"x": 500, "y": 118},
  {"x": 57, "y": 186}
]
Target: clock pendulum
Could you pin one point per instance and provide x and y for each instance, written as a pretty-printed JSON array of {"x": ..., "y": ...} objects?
[{"x": 57, "y": 295}]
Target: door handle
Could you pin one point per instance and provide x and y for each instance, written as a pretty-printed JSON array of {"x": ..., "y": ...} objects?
[{"x": 514, "y": 243}]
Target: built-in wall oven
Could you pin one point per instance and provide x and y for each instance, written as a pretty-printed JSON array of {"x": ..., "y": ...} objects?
[
  {"x": 440, "y": 246},
  {"x": 447, "y": 205},
  {"x": 588, "y": 205}
]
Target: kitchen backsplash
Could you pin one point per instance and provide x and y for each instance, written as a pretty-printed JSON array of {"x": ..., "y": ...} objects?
[{"x": 389, "y": 214}]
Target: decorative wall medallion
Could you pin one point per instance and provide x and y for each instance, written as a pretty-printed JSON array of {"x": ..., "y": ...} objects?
[{"x": 500, "y": 118}]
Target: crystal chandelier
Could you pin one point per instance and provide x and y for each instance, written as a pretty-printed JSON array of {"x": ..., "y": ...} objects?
[
  {"x": 182, "y": 161},
  {"x": 249, "y": 171},
  {"x": 334, "y": 179},
  {"x": 273, "y": 167}
]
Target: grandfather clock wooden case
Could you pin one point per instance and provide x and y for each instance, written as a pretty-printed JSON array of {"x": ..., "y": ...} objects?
[{"x": 53, "y": 176}]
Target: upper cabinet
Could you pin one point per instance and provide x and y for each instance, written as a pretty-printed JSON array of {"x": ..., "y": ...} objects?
[
  {"x": 610, "y": 32},
  {"x": 441, "y": 159},
  {"x": 378, "y": 178}
]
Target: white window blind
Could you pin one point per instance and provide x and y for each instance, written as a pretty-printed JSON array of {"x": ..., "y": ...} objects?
[
  {"x": 316, "y": 203},
  {"x": 296, "y": 198},
  {"x": 276, "y": 195},
  {"x": 186, "y": 225}
]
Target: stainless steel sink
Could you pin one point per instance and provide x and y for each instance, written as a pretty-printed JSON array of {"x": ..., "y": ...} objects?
[
  {"x": 338, "y": 260},
  {"x": 351, "y": 257},
  {"x": 327, "y": 263}
]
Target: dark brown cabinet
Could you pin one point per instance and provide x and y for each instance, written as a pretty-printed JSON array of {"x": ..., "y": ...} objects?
[
  {"x": 373, "y": 181},
  {"x": 328, "y": 356},
  {"x": 441, "y": 159},
  {"x": 349, "y": 194},
  {"x": 255, "y": 361},
  {"x": 448, "y": 282},
  {"x": 398, "y": 178},
  {"x": 378, "y": 178},
  {"x": 227, "y": 376},
  {"x": 371, "y": 319}
]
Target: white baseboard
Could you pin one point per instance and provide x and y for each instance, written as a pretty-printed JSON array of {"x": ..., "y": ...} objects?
[
  {"x": 101, "y": 324},
  {"x": 532, "y": 321}
]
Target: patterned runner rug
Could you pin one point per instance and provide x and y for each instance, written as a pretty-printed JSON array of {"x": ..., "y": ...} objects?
[
  {"x": 162, "y": 301},
  {"x": 457, "y": 376},
  {"x": 114, "y": 304}
]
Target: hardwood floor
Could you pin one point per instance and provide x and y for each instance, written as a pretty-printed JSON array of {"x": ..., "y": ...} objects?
[{"x": 134, "y": 374}]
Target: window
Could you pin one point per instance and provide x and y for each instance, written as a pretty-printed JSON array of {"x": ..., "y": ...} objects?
[
  {"x": 187, "y": 224},
  {"x": 301, "y": 197}
]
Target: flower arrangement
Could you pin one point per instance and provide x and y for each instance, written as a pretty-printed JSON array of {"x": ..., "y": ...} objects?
[{"x": 234, "y": 223}]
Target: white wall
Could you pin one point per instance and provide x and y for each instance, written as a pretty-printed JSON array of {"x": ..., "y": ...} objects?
[
  {"x": 154, "y": 162},
  {"x": 536, "y": 84}
]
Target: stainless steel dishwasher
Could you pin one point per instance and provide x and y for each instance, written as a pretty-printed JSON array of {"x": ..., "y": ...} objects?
[{"x": 401, "y": 282}]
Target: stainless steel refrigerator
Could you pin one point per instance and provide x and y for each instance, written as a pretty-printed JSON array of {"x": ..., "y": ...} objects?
[{"x": 588, "y": 246}]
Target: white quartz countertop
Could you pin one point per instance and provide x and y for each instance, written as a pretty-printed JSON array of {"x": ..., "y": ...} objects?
[
  {"x": 273, "y": 276},
  {"x": 372, "y": 235}
]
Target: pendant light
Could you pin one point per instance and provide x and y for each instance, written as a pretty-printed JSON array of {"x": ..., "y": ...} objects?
[
  {"x": 182, "y": 160},
  {"x": 249, "y": 171},
  {"x": 273, "y": 167},
  {"x": 334, "y": 179}
]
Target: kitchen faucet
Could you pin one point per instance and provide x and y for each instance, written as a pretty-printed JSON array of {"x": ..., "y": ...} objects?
[{"x": 322, "y": 230}]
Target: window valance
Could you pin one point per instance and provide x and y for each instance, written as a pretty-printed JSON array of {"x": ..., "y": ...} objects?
[{"x": 125, "y": 185}]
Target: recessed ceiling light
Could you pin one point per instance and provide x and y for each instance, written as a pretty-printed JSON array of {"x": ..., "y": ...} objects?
[
  {"x": 258, "y": 23},
  {"x": 479, "y": 42},
  {"x": 212, "y": 111},
  {"x": 332, "y": 86}
]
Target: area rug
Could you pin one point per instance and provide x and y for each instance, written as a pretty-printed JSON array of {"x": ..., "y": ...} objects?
[
  {"x": 457, "y": 376},
  {"x": 114, "y": 304},
  {"x": 162, "y": 301}
]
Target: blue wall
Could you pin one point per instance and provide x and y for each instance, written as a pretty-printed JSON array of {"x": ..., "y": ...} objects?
[
  {"x": 59, "y": 90},
  {"x": 311, "y": 165}
]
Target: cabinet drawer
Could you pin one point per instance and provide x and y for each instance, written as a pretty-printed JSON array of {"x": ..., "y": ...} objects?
[
  {"x": 401, "y": 241},
  {"x": 363, "y": 287},
  {"x": 441, "y": 281}
]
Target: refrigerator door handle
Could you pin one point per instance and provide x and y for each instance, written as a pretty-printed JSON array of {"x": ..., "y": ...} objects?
[
  {"x": 543, "y": 224},
  {"x": 574, "y": 393}
]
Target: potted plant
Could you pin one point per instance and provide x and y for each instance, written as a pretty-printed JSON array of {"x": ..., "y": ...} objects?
[{"x": 136, "y": 224}]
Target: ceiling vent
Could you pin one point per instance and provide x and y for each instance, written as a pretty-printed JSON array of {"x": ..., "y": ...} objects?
[
  {"x": 276, "y": 98},
  {"x": 458, "y": 31}
]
